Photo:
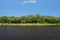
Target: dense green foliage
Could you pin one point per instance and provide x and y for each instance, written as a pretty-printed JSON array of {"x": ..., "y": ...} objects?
[{"x": 30, "y": 19}]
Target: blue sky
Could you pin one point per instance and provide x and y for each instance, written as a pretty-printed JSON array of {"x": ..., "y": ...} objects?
[{"x": 27, "y": 7}]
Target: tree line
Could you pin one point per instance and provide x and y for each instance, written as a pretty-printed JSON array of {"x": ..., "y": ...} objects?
[{"x": 30, "y": 19}]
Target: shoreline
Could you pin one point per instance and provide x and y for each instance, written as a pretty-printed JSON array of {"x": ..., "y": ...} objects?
[{"x": 29, "y": 24}]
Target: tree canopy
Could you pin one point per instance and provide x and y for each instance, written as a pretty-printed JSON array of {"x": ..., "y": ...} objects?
[{"x": 30, "y": 19}]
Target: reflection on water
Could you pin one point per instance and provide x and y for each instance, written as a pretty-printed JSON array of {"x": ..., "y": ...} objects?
[{"x": 29, "y": 33}]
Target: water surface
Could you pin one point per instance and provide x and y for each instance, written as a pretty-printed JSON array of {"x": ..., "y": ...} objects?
[{"x": 29, "y": 33}]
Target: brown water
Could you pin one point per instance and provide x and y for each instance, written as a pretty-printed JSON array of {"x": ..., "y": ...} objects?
[{"x": 29, "y": 33}]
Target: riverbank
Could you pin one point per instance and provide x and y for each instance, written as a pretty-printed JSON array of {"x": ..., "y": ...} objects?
[{"x": 35, "y": 25}]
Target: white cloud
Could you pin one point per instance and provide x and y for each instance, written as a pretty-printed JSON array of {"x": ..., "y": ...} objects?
[{"x": 29, "y": 1}]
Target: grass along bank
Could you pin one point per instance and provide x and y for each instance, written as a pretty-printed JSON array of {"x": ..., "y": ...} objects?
[{"x": 29, "y": 24}]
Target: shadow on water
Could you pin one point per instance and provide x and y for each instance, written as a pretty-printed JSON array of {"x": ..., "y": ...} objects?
[{"x": 29, "y": 33}]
